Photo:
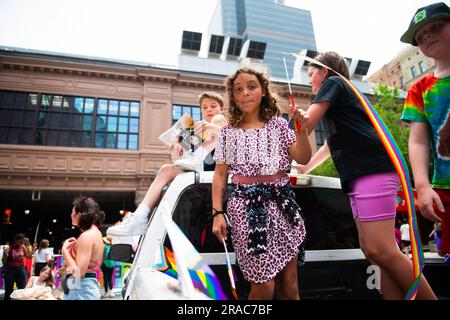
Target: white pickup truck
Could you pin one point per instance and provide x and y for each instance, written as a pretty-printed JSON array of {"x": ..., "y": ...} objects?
[{"x": 334, "y": 268}]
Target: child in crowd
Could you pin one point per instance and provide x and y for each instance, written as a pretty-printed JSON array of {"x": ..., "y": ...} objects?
[
  {"x": 43, "y": 256},
  {"x": 366, "y": 172},
  {"x": 256, "y": 148},
  {"x": 405, "y": 237},
  {"x": 44, "y": 279},
  {"x": 436, "y": 233},
  {"x": 108, "y": 269},
  {"x": 427, "y": 108},
  {"x": 211, "y": 104}
]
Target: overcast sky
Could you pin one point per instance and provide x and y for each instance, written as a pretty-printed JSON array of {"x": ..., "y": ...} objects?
[{"x": 150, "y": 30}]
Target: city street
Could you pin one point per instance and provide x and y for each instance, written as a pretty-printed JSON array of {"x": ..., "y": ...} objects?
[{"x": 115, "y": 291}]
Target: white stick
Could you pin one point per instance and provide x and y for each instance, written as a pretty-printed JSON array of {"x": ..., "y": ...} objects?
[
  {"x": 233, "y": 285},
  {"x": 287, "y": 75},
  {"x": 36, "y": 233}
]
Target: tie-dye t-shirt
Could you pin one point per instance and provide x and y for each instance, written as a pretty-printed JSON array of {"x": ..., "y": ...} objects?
[{"x": 428, "y": 101}]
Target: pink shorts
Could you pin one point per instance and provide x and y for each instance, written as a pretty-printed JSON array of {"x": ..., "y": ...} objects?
[{"x": 373, "y": 197}]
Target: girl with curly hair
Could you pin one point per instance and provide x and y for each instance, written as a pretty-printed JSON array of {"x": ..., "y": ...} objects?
[{"x": 256, "y": 148}]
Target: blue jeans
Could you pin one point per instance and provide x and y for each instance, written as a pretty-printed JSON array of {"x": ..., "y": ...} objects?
[{"x": 86, "y": 289}]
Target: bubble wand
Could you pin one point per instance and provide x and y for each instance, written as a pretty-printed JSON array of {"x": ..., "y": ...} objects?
[
  {"x": 37, "y": 231},
  {"x": 296, "y": 126},
  {"x": 230, "y": 271}
]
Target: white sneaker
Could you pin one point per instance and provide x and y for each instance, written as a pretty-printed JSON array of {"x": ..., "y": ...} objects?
[
  {"x": 131, "y": 225},
  {"x": 189, "y": 163}
]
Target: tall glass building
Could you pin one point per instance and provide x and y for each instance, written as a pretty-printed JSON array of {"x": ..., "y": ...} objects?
[{"x": 282, "y": 28}]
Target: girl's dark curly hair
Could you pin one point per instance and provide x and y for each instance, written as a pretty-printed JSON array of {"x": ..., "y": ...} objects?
[
  {"x": 269, "y": 103},
  {"x": 89, "y": 211}
]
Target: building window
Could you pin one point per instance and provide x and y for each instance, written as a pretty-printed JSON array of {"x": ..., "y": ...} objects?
[
  {"x": 216, "y": 44},
  {"x": 179, "y": 110},
  {"x": 421, "y": 67},
  {"x": 17, "y": 116},
  {"x": 362, "y": 67},
  {"x": 319, "y": 131},
  {"x": 256, "y": 50},
  {"x": 311, "y": 54},
  {"x": 68, "y": 121},
  {"x": 235, "y": 46},
  {"x": 117, "y": 124},
  {"x": 320, "y": 134},
  {"x": 413, "y": 71},
  {"x": 191, "y": 40}
]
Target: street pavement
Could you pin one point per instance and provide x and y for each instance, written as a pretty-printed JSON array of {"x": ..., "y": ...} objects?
[{"x": 117, "y": 294}]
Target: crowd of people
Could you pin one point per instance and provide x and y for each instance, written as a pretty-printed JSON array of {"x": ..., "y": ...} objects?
[
  {"x": 253, "y": 144},
  {"x": 27, "y": 265}
]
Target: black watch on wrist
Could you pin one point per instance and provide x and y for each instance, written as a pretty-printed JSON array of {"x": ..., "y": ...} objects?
[{"x": 216, "y": 212}]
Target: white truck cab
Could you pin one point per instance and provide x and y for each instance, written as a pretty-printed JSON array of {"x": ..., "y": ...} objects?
[{"x": 334, "y": 265}]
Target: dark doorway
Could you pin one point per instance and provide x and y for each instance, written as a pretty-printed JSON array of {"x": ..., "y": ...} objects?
[{"x": 52, "y": 212}]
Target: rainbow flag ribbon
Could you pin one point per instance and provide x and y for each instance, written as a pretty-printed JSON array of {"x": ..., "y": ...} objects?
[
  {"x": 186, "y": 263},
  {"x": 203, "y": 279},
  {"x": 401, "y": 167}
]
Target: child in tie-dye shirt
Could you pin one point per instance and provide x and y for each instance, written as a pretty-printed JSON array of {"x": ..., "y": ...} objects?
[{"x": 427, "y": 107}]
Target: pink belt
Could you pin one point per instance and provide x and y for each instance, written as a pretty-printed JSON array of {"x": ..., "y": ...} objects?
[{"x": 259, "y": 179}]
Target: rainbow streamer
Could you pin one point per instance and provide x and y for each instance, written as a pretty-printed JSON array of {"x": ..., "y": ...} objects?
[
  {"x": 193, "y": 272},
  {"x": 402, "y": 169}
]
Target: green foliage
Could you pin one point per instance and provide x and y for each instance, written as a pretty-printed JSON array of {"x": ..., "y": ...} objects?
[
  {"x": 389, "y": 107},
  {"x": 326, "y": 169}
]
